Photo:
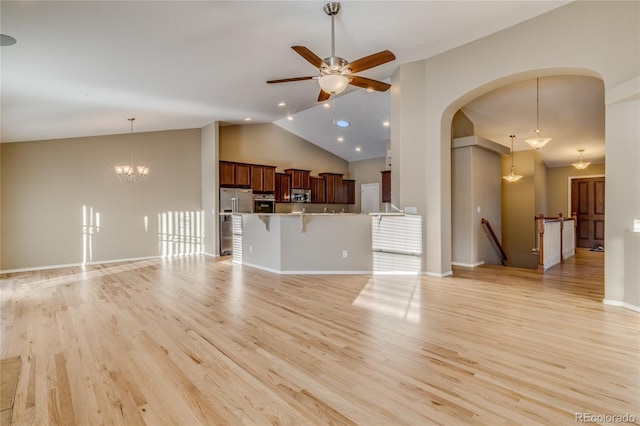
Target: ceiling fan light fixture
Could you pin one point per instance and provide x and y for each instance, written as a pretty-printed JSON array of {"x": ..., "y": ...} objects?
[
  {"x": 581, "y": 164},
  {"x": 333, "y": 83}
]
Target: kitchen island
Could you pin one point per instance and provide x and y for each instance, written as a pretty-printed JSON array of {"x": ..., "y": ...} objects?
[{"x": 325, "y": 243}]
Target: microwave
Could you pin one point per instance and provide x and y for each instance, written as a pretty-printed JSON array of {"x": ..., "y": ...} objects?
[{"x": 300, "y": 195}]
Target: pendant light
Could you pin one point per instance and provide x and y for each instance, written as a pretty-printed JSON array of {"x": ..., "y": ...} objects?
[
  {"x": 127, "y": 173},
  {"x": 537, "y": 142},
  {"x": 512, "y": 177},
  {"x": 581, "y": 165}
]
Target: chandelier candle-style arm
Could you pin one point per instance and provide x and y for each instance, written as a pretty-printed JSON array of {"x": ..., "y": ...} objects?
[{"x": 127, "y": 173}]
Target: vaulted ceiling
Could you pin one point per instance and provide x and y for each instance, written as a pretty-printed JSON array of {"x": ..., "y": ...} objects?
[{"x": 82, "y": 68}]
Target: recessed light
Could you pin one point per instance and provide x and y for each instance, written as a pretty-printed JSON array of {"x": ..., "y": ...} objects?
[
  {"x": 358, "y": 149},
  {"x": 326, "y": 105},
  {"x": 340, "y": 139},
  {"x": 386, "y": 123},
  {"x": 281, "y": 104},
  {"x": 369, "y": 89},
  {"x": 343, "y": 123},
  {"x": 290, "y": 117},
  {"x": 247, "y": 119}
]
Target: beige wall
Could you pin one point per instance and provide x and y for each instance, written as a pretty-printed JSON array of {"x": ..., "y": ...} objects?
[
  {"x": 583, "y": 38},
  {"x": 366, "y": 171},
  {"x": 519, "y": 210},
  {"x": 558, "y": 192},
  {"x": 45, "y": 185},
  {"x": 271, "y": 145}
]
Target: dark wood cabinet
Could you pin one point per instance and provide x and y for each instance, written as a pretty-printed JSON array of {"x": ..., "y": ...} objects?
[
  {"x": 227, "y": 173},
  {"x": 243, "y": 175},
  {"x": 317, "y": 190},
  {"x": 234, "y": 174},
  {"x": 333, "y": 187},
  {"x": 386, "y": 186},
  {"x": 268, "y": 178},
  {"x": 349, "y": 186},
  {"x": 300, "y": 179},
  {"x": 283, "y": 188},
  {"x": 263, "y": 178}
]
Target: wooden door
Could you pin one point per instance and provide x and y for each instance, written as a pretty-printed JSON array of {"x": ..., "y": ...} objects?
[{"x": 587, "y": 202}]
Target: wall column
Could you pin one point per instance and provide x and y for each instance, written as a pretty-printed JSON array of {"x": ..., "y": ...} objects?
[{"x": 209, "y": 147}]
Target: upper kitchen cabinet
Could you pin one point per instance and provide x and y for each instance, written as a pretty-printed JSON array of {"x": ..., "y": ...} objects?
[
  {"x": 263, "y": 178},
  {"x": 283, "y": 187},
  {"x": 234, "y": 174},
  {"x": 317, "y": 190},
  {"x": 300, "y": 179},
  {"x": 386, "y": 186}
]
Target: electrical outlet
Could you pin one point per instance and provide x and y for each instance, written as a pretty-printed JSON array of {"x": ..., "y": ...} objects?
[{"x": 345, "y": 253}]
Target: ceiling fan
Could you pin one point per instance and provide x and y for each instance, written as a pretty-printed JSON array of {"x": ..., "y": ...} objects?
[{"x": 336, "y": 73}]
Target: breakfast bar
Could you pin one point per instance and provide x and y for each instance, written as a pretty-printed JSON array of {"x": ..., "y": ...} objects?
[{"x": 326, "y": 243}]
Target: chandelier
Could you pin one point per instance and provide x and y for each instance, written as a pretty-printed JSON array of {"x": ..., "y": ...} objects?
[
  {"x": 537, "y": 142},
  {"x": 581, "y": 165},
  {"x": 512, "y": 177},
  {"x": 127, "y": 173}
]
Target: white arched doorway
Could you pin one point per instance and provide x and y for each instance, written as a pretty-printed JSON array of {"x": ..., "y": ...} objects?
[{"x": 426, "y": 94}]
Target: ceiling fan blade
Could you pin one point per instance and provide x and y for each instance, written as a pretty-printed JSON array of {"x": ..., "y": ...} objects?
[
  {"x": 367, "y": 83},
  {"x": 323, "y": 96},
  {"x": 371, "y": 61},
  {"x": 286, "y": 80},
  {"x": 311, "y": 57}
]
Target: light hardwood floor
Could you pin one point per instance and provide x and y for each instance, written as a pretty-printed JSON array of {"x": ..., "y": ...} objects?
[{"x": 197, "y": 340}]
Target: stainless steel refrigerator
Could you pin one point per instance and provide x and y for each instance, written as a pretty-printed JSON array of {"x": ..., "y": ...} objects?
[{"x": 232, "y": 201}]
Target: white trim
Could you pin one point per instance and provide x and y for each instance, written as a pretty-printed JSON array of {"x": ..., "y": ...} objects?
[
  {"x": 438, "y": 274},
  {"x": 468, "y": 265},
  {"x": 621, "y": 305},
  {"x": 280, "y": 272},
  {"x": 72, "y": 265}
]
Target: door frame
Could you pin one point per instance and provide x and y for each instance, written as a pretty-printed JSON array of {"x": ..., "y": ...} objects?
[
  {"x": 569, "y": 193},
  {"x": 569, "y": 181}
]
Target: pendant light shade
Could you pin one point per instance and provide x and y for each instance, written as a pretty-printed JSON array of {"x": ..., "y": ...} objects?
[
  {"x": 581, "y": 165},
  {"x": 512, "y": 177},
  {"x": 537, "y": 142}
]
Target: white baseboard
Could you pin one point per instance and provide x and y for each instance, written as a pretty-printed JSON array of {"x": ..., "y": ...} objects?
[
  {"x": 438, "y": 274},
  {"x": 468, "y": 265},
  {"x": 275, "y": 271},
  {"x": 73, "y": 265},
  {"x": 621, "y": 304}
]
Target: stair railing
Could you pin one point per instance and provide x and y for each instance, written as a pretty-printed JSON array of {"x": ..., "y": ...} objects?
[{"x": 503, "y": 255}]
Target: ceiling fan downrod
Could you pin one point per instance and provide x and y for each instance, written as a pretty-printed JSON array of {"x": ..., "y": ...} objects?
[{"x": 332, "y": 10}]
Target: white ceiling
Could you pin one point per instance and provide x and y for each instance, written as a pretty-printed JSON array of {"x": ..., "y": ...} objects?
[{"x": 82, "y": 68}]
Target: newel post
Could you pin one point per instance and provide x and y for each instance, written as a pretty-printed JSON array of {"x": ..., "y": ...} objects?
[{"x": 540, "y": 221}]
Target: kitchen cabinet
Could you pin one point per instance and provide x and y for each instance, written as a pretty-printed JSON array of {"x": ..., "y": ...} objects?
[
  {"x": 243, "y": 175},
  {"x": 333, "y": 187},
  {"x": 283, "y": 187},
  {"x": 269, "y": 178},
  {"x": 386, "y": 186},
  {"x": 262, "y": 178},
  {"x": 227, "y": 173},
  {"x": 300, "y": 179},
  {"x": 234, "y": 174},
  {"x": 317, "y": 190},
  {"x": 349, "y": 187}
]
